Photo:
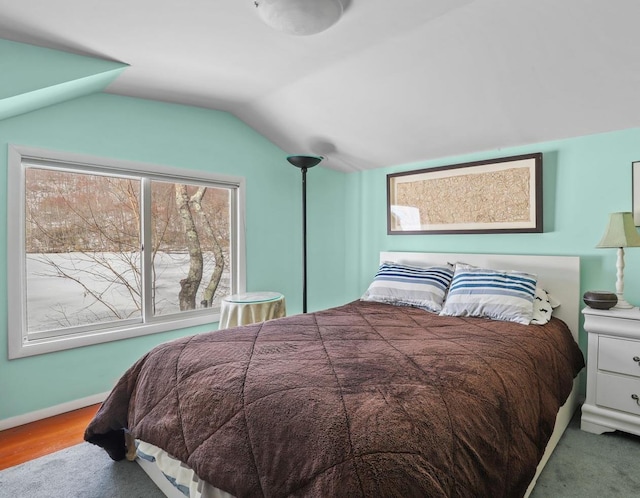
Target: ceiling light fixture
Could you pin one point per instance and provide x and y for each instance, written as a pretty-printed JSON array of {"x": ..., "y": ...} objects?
[{"x": 299, "y": 17}]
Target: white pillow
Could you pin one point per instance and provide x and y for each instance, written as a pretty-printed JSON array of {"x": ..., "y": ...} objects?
[
  {"x": 406, "y": 285},
  {"x": 543, "y": 306},
  {"x": 497, "y": 294}
]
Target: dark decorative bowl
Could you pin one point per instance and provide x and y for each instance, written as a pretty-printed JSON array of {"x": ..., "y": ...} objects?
[{"x": 600, "y": 300}]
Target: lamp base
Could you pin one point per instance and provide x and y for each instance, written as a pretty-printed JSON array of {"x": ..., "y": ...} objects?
[{"x": 622, "y": 304}]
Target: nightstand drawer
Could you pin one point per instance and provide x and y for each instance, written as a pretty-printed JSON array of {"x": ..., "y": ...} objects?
[
  {"x": 616, "y": 392},
  {"x": 619, "y": 355}
]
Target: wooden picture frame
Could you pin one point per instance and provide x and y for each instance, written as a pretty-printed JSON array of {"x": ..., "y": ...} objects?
[
  {"x": 493, "y": 196},
  {"x": 635, "y": 187}
]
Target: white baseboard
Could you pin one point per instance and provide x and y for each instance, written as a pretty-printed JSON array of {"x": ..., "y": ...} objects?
[{"x": 8, "y": 423}]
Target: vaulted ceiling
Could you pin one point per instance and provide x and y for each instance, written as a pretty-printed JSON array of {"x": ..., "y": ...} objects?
[{"x": 392, "y": 82}]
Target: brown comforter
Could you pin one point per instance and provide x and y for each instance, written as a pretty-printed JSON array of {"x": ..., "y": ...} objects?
[{"x": 366, "y": 399}]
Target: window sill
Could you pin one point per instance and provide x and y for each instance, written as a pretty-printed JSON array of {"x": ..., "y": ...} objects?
[{"x": 62, "y": 343}]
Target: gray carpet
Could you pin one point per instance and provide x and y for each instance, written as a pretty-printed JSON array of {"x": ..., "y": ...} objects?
[
  {"x": 587, "y": 465},
  {"x": 583, "y": 466}
]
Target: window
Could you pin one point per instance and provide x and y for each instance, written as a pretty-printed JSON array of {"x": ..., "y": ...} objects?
[{"x": 105, "y": 250}]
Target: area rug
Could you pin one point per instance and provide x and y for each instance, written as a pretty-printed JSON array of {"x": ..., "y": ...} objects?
[{"x": 81, "y": 471}]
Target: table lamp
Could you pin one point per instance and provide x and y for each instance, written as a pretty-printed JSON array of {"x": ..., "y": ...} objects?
[{"x": 621, "y": 232}]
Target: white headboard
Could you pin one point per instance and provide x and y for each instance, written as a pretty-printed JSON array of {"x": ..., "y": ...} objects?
[{"x": 558, "y": 275}]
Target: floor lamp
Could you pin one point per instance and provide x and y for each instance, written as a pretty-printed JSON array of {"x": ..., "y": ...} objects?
[{"x": 304, "y": 163}]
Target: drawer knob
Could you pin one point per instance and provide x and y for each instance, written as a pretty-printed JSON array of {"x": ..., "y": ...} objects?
[
  {"x": 637, "y": 359},
  {"x": 636, "y": 398}
]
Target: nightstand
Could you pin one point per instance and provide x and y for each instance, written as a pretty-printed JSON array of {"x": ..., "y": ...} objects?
[{"x": 613, "y": 371}]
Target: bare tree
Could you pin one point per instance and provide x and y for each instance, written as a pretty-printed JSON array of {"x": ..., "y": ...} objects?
[
  {"x": 218, "y": 254},
  {"x": 187, "y": 207},
  {"x": 189, "y": 285}
]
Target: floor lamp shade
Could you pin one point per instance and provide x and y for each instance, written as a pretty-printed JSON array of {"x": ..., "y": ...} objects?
[
  {"x": 304, "y": 163},
  {"x": 620, "y": 233}
]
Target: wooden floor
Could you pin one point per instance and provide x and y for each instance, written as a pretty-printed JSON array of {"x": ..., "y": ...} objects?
[{"x": 29, "y": 441}]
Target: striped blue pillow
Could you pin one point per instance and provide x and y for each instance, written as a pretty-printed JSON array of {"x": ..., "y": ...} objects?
[
  {"x": 405, "y": 285},
  {"x": 500, "y": 295}
]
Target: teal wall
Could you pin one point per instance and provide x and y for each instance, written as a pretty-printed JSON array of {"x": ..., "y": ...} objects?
[
  {"x": 118, "y": 127},
  {"x": 584, "y": 179},
  {"x": 34, "y": 77}
]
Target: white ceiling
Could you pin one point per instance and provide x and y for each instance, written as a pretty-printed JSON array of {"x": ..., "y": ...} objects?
[{"x": 392, "y": 82}]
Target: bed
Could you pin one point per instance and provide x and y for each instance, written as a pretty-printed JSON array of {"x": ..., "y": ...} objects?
[{"x": 365, "y": 399}]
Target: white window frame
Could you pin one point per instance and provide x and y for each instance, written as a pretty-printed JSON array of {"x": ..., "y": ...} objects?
[{"x": 19, "y": 342}]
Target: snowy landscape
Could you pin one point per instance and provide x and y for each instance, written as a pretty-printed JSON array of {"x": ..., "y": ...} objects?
[{"x": 54, "y": 301}]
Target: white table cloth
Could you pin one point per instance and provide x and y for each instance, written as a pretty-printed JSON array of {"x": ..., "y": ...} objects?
[{"x": 251, "y": 307}]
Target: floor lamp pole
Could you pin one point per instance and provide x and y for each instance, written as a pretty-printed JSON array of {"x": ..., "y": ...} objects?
[
  {"x": 304, "y": 240},
  {"x": 304, "y": 163}
]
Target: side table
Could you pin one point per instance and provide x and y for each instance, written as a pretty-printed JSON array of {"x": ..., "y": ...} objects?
[
  {"x": 613, "y": 371},
  {"x": 251, "y": 307}
]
